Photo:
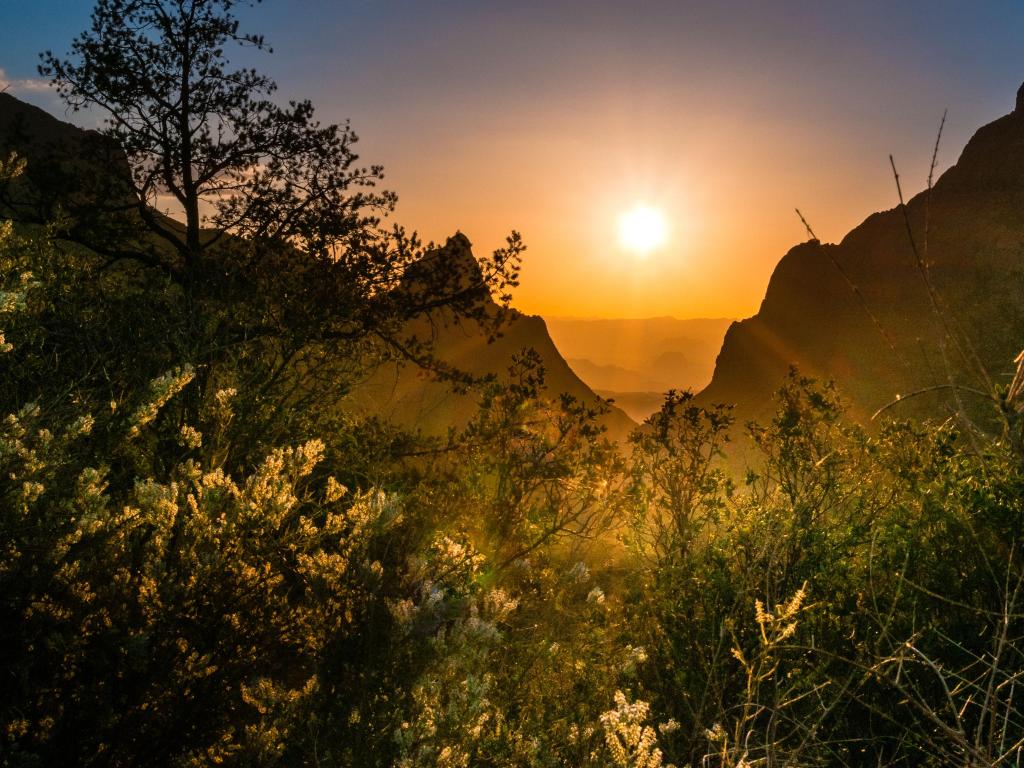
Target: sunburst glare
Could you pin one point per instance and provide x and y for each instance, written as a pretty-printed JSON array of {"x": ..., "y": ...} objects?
[{"x": 642, "y": 229}]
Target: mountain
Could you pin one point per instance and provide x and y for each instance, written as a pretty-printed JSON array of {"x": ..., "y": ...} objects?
[
  {"x": 634, "y": 361},
  {"x": 408, "y": 395},
  {"x": 616, "y": 378},
  {"x": 68, "y": 168},
  {"x": 885, "y": 318}
]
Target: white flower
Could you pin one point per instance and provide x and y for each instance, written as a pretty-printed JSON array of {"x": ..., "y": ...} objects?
[
  {"x": 161, "y": 390},
  {"x": 631, "y": 743}
]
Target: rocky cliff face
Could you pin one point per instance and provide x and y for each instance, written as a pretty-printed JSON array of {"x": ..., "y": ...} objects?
[{"x": 860, "y": 311}]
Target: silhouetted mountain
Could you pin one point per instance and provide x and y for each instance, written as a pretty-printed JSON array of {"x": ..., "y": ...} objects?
[
  {"x": 860, "y": 312},
  {"x": 67, "y": 167},
  {"x": 412, "y": 397}
]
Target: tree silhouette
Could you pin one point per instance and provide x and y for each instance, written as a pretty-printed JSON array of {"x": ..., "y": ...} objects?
[
  {"x": 208, "y": 136},
  {"x": 208, "y": 139}
]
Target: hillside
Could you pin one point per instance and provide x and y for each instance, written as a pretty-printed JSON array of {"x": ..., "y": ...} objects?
[
  {"x": 410, "y": 396},
  {"x": 860, "y": 311}
]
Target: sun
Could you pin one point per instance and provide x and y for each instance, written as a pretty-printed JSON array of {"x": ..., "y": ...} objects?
[{"x": 642, "y": 229}]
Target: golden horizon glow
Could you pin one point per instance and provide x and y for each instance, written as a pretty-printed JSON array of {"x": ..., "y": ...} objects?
[{"x": 642, "y": 230}]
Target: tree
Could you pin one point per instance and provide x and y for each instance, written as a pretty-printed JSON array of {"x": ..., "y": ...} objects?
[
  {"x": 539, "y": 466},
  {"x": 209, "y": 136},
  {"x": 276, "y": 244},
  {"x": 678, "y": 486}
]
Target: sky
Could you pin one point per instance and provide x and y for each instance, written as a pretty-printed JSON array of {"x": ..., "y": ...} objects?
[{"x": 555, "y": 117}]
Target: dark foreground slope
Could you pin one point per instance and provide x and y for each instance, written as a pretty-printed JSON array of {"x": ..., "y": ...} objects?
[
  {"x": 877, "y": 331},
  {"x": 410, "y": 396}
]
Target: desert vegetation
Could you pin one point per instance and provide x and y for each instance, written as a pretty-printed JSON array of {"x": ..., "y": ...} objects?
[{"x": 206, "y": 559}]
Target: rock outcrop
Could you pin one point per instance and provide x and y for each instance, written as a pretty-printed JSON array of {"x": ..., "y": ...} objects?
[
  {"x": 888, "y": 311},
  {"x": 412, "y": 397}
]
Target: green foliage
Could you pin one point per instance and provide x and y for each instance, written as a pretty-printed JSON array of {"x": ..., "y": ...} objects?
[
  {"x": 539, "y": 469},
  {"x": 679, "y": 485},
  {"x": 906, "y": 544}
]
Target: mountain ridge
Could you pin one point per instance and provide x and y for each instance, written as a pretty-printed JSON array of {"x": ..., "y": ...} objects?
[
  {"x": 969, "y": 234},
  {"x": 409, "y": 397}
]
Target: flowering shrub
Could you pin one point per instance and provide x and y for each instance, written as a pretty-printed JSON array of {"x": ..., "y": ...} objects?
[{"x": 631, "y": 742}]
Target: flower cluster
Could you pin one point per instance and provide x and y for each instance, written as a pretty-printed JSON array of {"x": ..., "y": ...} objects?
[{"x": 631, "y": 743}]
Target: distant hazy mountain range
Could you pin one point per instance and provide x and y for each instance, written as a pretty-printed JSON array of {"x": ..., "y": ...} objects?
[
  {"x": 885, "y": 318},
  {"x": 635, "y": 361}
]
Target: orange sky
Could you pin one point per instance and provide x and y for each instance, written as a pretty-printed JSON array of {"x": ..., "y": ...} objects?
[
  {"x": 556, "y": 117},
  {"x": 727, "y": 182},
  {"x": 553, "y": 117}
]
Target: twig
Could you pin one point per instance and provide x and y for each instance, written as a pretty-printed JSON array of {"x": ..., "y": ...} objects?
[{"x": 925, "y": 390}]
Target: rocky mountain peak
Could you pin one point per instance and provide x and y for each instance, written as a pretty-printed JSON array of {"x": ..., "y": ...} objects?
[{"x": 859, "y": 311}]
